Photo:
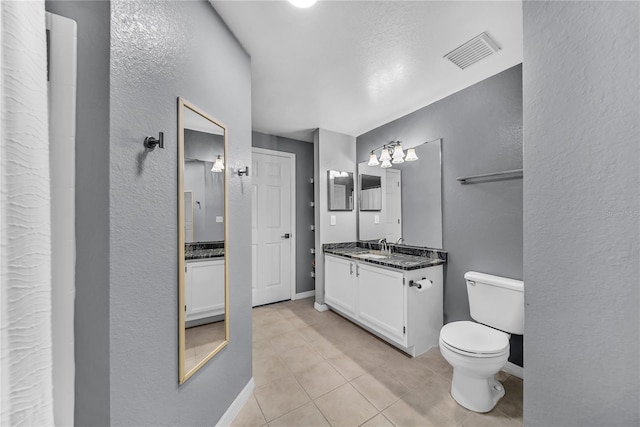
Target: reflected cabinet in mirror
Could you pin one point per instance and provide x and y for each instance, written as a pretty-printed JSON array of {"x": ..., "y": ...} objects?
[
  {"x": 203, "y": 285},
  {"x": 403, "y": 201}
]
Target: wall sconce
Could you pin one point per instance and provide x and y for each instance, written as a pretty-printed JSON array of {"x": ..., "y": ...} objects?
[
  {"x": 391, "y": 153},
  {"x": 241, "y": 171},
  {"x": 218, "y": 164}
]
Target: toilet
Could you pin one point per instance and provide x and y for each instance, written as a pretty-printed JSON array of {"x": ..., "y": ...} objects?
[{"x": 478, "y": 351}]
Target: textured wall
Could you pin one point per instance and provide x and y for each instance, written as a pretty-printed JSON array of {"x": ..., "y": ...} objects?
[
  {"x": 481, "y": 131},
  {"x": 582, "y": 212},
  {"x": 161, "y": 50},
  {"x": 304, "y": 195},
  {"x": 92, "y": 405},
  {"x": 126, "y": 306}
]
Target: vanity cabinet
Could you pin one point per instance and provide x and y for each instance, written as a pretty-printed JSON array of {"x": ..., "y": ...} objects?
[
  {"x": 382, "y": 297},
  {"x": 340, "y": 283},
  {"x": 380, "y": 300},
  {"x": 204, "y": 289}
]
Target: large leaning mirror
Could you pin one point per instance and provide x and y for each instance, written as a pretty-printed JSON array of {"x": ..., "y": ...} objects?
[
  {"x": 202, "y": 214},
  {"x": 410, "y": 193}
]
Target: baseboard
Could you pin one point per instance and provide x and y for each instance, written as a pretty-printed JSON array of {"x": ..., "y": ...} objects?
[
  {"x": 320, "y": 307},
  {"x": 307, "y": 294},
  {"x": 237, "y": 404},
  {"x": 513, "y": 369}
]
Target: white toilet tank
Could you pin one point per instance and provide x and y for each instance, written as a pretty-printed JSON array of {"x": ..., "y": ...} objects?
[{"x": 496, "y": 301}]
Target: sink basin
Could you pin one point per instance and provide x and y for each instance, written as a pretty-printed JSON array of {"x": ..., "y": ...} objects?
[{"x": 371, "y": 256}]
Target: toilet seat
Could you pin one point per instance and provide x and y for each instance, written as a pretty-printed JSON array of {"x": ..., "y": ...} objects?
[{"x": 474, "y": 339}]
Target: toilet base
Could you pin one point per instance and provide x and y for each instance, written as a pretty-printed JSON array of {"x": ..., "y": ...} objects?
[{"x": 476, "y": 394}]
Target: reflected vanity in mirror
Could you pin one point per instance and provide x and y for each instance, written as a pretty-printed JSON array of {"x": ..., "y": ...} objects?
[
  {"x": 410, "y": 200},
  {"x": 203, "y": 286},
  {"x": 340, "y": 193}
]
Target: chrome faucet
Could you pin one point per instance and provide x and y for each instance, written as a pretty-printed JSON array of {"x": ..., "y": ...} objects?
[
  {"x": 400, "y": 240},
  {"x": 383, "y": 245}
]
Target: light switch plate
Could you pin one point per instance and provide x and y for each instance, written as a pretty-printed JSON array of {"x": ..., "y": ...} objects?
[
  {"x": 218, "y": 219},
  {"x": 376, "y": 219},
  {"x": 333, "y": 220}
]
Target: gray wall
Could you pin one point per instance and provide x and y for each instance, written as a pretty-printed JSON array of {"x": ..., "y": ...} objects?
[
  {"x": 126, "y": 311},
  {"x": 161, "y": 50},
  {"x": 481, "y": 131},
  {"x": 336, "y": 151},
  {"x": 92, "y": 210},
  {"x": 304, "y": 195},
  {"x": 582, "y": 212}
]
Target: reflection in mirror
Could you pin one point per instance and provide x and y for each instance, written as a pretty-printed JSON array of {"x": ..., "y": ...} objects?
[
  {"x": 411, "y": 200},
  {"x": 203, "y": 292},
  {"x": 370, "y": 193},
  {"x": 340, "y": 190}
]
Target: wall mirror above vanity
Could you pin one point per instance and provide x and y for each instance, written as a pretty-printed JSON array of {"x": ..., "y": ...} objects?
[
  {"x": 203, "y": 313},
  {"x": 341, "y": 190},
  {"x": 410, "y": 199}
]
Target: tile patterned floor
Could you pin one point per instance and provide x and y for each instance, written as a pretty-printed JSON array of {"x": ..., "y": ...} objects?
[{"x": 318, "y": 369}]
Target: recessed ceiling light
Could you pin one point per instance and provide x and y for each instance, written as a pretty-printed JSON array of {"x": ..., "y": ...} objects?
[{"x": 302, "y": 3}]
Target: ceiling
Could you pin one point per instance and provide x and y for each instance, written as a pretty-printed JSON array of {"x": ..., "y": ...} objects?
[{"x": 351, "y": 66}]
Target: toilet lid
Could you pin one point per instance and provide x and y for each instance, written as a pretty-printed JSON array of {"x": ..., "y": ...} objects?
[{"x": 474, "y": 338}]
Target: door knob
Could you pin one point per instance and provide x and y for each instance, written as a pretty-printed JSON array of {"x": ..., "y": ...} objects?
[{"x": 286, "y": 236}]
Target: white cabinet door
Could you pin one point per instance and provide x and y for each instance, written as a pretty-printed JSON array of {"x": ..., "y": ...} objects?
[
  {"x": 382, "y": 301},
  {"x": 204, "y": 293},
  {"x": 340, "y": 283}
]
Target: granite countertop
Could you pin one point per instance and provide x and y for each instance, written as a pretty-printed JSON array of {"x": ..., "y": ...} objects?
[
  {"x": 203, "y": 250},
  {"x": 402, "y": 257}
]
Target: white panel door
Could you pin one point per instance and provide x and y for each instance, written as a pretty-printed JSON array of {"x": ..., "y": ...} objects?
[
  {"x": 271, "y": 228},
  {"x": 393, "y": 190}
]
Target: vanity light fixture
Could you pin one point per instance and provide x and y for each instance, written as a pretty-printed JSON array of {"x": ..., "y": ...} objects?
[
  {"x": 411, "y": 155},
  {"x": 384, "y": 154},
  {"x": 373, "y": 159},
  {"x": 303, "y": 4},
  {"x": 398, "y": 154},
  {"x": 218, "y": 164},
  {"x": 391, "y": 153},
  {"x": 338, "y": 174}
]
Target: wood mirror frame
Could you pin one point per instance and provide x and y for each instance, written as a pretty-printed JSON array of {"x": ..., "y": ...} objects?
[{"x": 203, "y": 271}]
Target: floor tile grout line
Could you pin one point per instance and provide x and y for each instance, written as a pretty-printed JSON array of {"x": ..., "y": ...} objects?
[
  {"x": 259, "y": 407},
  {"x": 278, "y": 354}
]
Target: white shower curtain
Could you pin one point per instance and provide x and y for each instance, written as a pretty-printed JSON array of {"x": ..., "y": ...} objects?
[{"x": 25, "y": 237}]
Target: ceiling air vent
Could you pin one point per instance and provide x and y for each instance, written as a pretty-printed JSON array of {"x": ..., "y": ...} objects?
[{"x": 473, "y": 51}]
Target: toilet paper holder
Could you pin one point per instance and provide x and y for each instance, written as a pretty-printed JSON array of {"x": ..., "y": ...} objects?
[{"x": 416, "y": 284}]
